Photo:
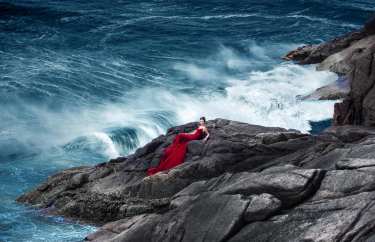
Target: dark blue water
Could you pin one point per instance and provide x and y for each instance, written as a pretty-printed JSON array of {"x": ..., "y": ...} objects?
[{"x": 83, "y": 81}]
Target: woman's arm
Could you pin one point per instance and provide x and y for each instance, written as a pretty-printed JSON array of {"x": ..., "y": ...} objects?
[{"x": 208, "y": 135}]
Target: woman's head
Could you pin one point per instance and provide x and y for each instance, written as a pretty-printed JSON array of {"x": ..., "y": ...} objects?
[{"x": 202, "y": 120}]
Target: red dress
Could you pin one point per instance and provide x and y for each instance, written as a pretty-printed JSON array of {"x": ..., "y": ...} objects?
[{"x": 174, "y": 154}]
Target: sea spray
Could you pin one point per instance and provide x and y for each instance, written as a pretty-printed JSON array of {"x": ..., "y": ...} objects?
[{"x": 129, "y": 70}]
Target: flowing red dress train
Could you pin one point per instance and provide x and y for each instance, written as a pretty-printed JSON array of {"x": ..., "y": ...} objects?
[{"x": 174, "y": 154}]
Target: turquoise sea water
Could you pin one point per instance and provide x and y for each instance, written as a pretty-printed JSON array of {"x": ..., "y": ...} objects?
[{"x": 85, "y": 81}]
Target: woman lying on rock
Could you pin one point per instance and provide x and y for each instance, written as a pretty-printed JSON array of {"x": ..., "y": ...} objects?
[{"x": 174, "y": 154}]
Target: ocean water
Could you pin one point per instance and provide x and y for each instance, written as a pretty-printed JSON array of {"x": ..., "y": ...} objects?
[{"x": 85, "y": 81}]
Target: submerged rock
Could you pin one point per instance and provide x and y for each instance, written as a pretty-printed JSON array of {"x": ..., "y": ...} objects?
[{"x": 247, "y": 183}]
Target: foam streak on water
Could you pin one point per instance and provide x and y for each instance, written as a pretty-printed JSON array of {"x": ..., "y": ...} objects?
[{"x": 85, "y": 81}]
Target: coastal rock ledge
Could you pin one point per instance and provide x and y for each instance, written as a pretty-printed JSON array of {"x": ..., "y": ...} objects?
[
  {"x": 247, "y": 183},
  {"x": 352, "y": 57}
]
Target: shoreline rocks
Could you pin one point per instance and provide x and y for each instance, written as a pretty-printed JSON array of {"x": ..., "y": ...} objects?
[
  {"x": 246, "y": 182},
  {"x": 351, "y": 56},
  {"x": 334, "y": 91}
]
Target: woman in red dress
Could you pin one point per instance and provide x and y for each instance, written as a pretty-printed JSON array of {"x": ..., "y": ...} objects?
[{"x": 174, "y": 154}]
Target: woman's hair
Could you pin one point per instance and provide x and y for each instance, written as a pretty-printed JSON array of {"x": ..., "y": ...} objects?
[{"x": 202, "y": 118}]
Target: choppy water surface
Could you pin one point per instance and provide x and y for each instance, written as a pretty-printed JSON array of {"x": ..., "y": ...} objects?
[{"x": 84, "y": 81}]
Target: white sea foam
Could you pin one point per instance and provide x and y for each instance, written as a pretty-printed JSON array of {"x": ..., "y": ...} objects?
[
  {"x": 324, "y": 20},
  {"x": 110, "y": 148},
  {"x": 266, "y": 97},
  {"x": 231, "y": 16}
]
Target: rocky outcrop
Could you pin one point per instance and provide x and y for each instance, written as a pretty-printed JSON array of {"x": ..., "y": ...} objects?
[
  {"x": 358, "y": 107},
  {"x": 333, "y": 91},
  {"x": 352, "y": 57},
  {"x": 313, "y": 54},
  {"x": 247, "y": 183}
]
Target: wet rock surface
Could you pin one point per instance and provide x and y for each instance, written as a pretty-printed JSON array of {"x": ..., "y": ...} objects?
[
  {"x": 247, "y": 183},
  {"x": 334, "y": 91},
  {"x": 352, "y": 58}
]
